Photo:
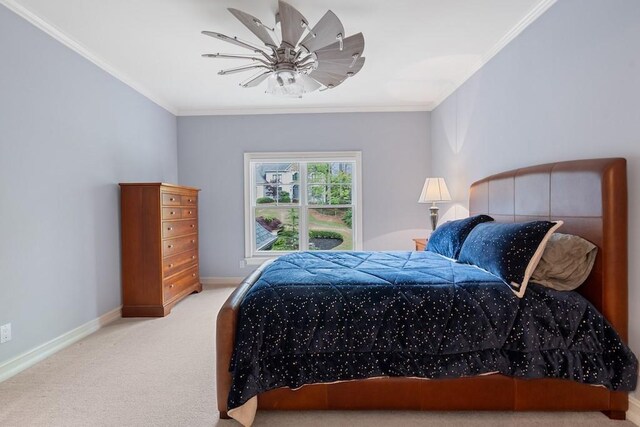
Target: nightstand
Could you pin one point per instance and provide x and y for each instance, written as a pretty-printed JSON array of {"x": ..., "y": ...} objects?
[{"x": 421, "y": 244}]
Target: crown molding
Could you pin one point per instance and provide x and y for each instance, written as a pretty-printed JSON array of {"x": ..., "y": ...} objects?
[
  {"x": 305, "y": 110},
  {"x": 529, "y": 18},
  {"x": 83, "y": 51}
]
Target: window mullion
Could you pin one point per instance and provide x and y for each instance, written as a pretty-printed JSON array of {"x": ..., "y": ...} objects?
[
  {"x": 252, "y": 209},
  {"x": 304, "y": 233},
  {"x": 331, "y": 206}
]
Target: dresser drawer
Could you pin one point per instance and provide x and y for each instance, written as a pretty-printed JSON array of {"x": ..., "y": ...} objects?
[
  {"x": 170, "y": 199},
  {"x": 176, "y": 263},
  {"x": 189, "y": 200},
  {"x": 189, "y": 212},
  {"x": 181, "y": 244},
  {"x": 178, "y": 228},
  {"x": 171, "y": 213},
  {"x": 176, "y": 284}
]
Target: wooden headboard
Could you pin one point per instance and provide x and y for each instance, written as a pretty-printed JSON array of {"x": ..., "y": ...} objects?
[{"x": 590, "y": 196}]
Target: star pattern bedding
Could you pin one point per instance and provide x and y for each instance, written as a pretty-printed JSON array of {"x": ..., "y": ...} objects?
[{"x": 317, "y": 317}]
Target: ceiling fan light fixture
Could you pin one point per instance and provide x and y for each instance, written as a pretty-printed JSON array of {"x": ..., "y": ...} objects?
[
  {"x": 298, "y": 58},
  {"x": 286, "y": 83}
]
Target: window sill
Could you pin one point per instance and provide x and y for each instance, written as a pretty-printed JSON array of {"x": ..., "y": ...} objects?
[{"x": 257, "y": 260}]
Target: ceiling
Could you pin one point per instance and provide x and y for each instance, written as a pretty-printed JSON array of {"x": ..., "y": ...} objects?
[{"x": 418, "y": 51}]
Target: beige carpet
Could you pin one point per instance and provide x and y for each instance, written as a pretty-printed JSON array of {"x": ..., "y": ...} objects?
[{"x": 160, "y": 372}]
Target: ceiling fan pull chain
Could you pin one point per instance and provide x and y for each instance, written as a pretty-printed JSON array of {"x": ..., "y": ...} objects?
[{"x": 340, "y": 39}]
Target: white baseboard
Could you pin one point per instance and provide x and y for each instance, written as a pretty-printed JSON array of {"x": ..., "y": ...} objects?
[
  {"x": 31, "y": 357},
  {"x": 220, "y": 282},
  {"x": 633, "y": 414}
]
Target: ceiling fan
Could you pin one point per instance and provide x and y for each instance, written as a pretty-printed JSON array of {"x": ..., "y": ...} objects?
[{"x": 295, "y": 58}]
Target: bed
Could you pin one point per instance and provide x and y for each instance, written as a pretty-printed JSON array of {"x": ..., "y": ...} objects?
[{"x": 590, "y": 196}]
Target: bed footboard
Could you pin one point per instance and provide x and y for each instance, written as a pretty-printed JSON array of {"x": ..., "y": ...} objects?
[{"x": 226, "y": 335}]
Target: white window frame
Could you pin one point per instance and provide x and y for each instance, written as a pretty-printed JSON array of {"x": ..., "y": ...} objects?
[{"x": 251, "y": 257}]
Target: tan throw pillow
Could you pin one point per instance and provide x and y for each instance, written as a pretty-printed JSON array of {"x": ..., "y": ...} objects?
[{"x": 566, "y": 262}]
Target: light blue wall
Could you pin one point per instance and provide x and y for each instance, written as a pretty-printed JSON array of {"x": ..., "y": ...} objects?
[
  {"x": 69, "y": 132},
  {"x": 567, "y": 88},
  {"x": 395, "y": 162}
]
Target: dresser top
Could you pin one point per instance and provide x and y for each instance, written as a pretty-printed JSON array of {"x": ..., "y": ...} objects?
[{"x": 156, "y": 184}]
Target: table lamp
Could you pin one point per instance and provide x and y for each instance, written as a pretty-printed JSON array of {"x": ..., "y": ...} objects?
[{"x": 434, "y": 190}]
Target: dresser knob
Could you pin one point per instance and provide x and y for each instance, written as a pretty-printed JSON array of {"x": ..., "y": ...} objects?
[
  {"x": 193, "y": 241},
  {"x": 192, "y": 225},
  {"x": 193, "y": 257},
  {"x": 170, "y": 265},
  {"x": 170, "y": 228},
  {"x": 193, "y": 275},
  {"x": 169, "y": 246},
  {"x": 173, "y": 213},
  {"x": 170, "y": 286},
  {"x": 172, "y": 199},
  {"x": 189, "y": 212},
  {"x": 190, "y": 200}
]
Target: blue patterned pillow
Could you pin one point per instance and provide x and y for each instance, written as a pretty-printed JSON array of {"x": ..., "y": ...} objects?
[
  {"x": 447, "y": 239},
  {"x": 509, "y": 251}
]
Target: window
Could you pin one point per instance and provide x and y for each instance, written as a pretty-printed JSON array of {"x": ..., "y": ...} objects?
[{"x": 302, "y": 201}]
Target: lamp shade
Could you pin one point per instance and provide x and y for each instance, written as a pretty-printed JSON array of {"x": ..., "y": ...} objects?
[{"x": 434, "y": 190}]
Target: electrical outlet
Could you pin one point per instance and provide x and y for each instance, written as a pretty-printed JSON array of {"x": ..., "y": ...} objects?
[{"x": 5, "y": 333}]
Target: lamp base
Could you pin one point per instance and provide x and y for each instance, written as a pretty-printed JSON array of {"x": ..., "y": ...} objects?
[{"x": 434, "y": 216}]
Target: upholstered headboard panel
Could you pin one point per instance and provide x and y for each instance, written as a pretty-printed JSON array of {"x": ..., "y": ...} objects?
[{"x": 590, "y": 196}]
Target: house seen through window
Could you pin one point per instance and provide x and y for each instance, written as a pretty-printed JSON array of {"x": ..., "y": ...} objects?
[{"x": 302, "y": 201}]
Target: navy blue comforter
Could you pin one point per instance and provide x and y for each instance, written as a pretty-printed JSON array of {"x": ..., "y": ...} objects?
[{"x": 327, "y": 316}]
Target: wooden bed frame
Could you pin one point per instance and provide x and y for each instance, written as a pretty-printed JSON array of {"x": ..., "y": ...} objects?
[{"x": 591, "y": 197}]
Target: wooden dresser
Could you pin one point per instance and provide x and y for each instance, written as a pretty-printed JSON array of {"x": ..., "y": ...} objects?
[{"x": 159, "y": 247}]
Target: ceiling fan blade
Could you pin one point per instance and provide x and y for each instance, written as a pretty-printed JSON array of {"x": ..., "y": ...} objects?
[
  {"x": 351, "y": 45},
  {"x": 343, "y": 69},
  {"x": 328, "y": 72},
  {"x": 229, "y": 56},
  {"x": 235, "y": 56},
  {"x": 330, "y": 76},
  {"x": 256, "y": 80},
  {"x": 329, "y": 80},
  {"x": 324, "y": 33},
  {"x": 292, "y": 23},
  {"x": 255, "y": 26},
  {"x": 347, "y": 61},
  {"x": 234, "y": 40},
  {"x": 241, "y": 69},
  {"x": 344, "y": 57},
  {"x": 309, "y": 84}
]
